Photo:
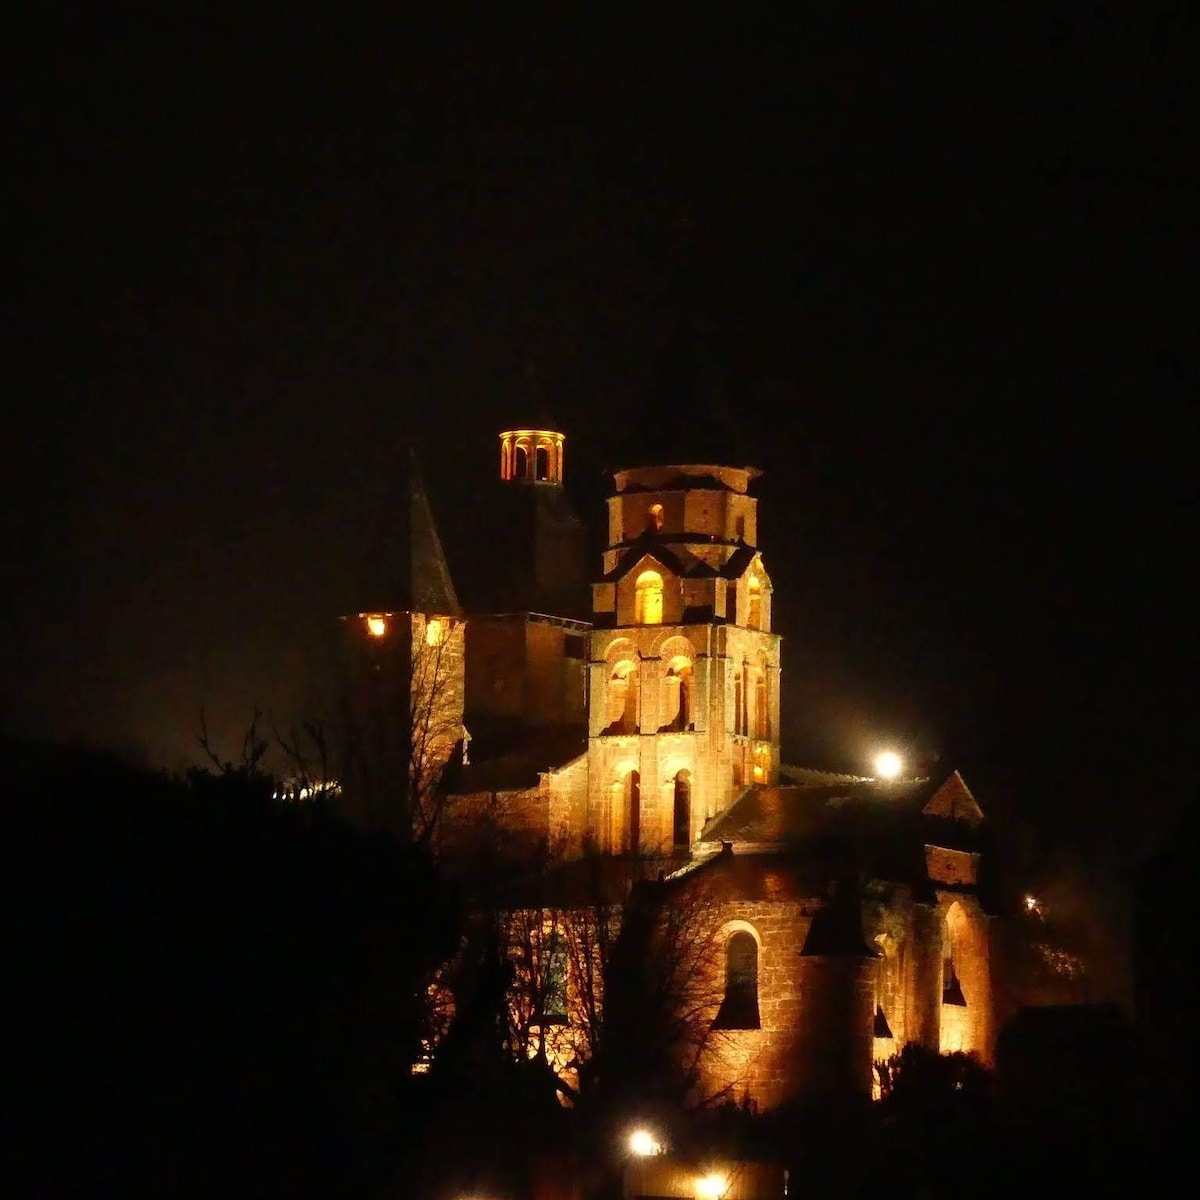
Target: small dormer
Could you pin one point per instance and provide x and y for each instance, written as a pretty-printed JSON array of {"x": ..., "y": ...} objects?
[{"x": 532, "y": 455}]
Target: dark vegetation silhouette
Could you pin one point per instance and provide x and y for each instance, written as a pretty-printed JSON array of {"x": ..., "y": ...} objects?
[{"x": 212, "y": 990}]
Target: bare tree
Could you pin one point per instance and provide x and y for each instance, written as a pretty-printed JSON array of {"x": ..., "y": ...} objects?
[
  {"x": 398, "y": 733},
  {"x": 617, "y": 981}
]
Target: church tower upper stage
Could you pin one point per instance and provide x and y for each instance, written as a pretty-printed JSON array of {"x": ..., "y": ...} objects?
[{"x": 684, "y": 668}]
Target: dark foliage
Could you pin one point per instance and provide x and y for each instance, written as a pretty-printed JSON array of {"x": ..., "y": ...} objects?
[{"x": 213, "y": 992}]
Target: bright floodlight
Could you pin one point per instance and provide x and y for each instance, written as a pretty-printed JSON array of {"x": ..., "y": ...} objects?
[
  {"x": 887, "y": 765},
  {"x": 711, "y": 1187},
  {"x": 643, "y": 1143},
  {"x": 376, "y": 626}
]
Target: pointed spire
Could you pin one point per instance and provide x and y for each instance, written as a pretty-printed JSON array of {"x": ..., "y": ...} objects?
[{"x": 405, "y": 569}]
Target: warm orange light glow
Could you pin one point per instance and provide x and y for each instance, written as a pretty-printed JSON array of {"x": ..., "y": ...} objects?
[
  {"x": 435, "y": 632},
  {"x": 759, "y": 773},
  {"x": 649, "y": 598},
  {"x": 711, "y": 1186},
  {"x": 643, "y": 1143},
  {"x": 377, "y": 626},
  {"x": 887, "y": 765}
]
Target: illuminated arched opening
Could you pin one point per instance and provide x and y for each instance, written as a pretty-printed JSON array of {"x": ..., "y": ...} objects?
[
  {"x": 739, "y": 1008},
  {"x": 520, "y": 461},
  {"x": 681, "y": 823},
  {"x": 541, "y": 461},
  {"x": 623, "y": 698},
  {"x": 754, "y": 615},
  {"x": 762, "y": 711},
  {"x": 649, "y": 603},
  {"x": 678, "y": 697},
  {"x": 654, "y": 517}
]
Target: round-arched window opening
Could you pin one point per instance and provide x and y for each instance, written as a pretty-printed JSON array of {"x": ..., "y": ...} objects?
[{"x": 649, "y": 603}]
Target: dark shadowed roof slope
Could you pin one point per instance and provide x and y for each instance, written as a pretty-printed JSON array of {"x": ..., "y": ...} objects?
[
  {"x": 797, "y": 812},
  {"x": 405, "y": 569}
]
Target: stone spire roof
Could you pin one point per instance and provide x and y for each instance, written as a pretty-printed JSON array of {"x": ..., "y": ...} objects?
[{"x": 405, "y": 569}]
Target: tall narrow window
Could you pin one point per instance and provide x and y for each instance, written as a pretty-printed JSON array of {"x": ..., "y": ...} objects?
[
  {"x": 681, "y": 829},
  {"x": 633, "y": 812},
  {"x": 541, "y": 462},
  {"x": 654, "y": 517},
  {"x": 744, "y": 723},
  {"x": 762, "y": 710},
  {"x": 678, "y": 706},
  {"x": 739, "y": 702},
  {"x": 754, "y": 616},
  {"x": 649, "y": 603},
  {"x": 739, "y": 1008}
]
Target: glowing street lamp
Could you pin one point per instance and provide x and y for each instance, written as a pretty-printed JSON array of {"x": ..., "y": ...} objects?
[
  {"x": 377, "y": 626},
  {"x": 643, "y": 1143},
  {"x": 887, "y": 765}
]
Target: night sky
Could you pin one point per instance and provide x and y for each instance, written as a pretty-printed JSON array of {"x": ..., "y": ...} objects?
[{"x": 936, "y": 276}]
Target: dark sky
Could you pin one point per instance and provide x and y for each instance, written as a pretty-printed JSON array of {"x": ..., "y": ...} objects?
[{"x": 937, "y": 277}]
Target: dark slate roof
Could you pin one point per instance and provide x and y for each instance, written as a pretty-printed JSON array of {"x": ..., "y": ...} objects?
[
  {"x": 517, "y": 766},
  {"x": 405, "y": 569},
  {"x": 798, "y": 811},
  {"x": 521, "y": 547},
  {"x": 757, "y": 876},
  {"x": 846, "y": 827},
  {"x": 658, "y": 546}
]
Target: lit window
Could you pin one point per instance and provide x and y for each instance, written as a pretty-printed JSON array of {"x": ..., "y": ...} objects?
[
  {"x": 649, "y": 607},
  {"x": 377, "y": 626},
  {"x": 754, "y": 618},
  {"x": 655, "y": 517},
  {"x": 435, "y": 632},
  {"x": 739, "y": 1009}
]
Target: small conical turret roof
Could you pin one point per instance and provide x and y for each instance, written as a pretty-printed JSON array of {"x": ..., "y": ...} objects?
[{"x": 405, "y": 569}]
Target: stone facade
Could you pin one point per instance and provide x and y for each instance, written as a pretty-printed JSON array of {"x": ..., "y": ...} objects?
[{"x": 652, "y": 732}]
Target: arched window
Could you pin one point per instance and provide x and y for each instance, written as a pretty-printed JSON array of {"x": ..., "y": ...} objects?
[
  {"x": 679, "y": 695},
  {"x": 681, "y": 828},
  {"x": 541, "y": 462},
  {"x": 754, "y": 616},
  {"x": 623, "y": 699},
  {"x": 762, "y": 711},
  {"x": 649, "y": 605},
  {"x": 739, "y": 1008},
  {"x": 633, "y": 812},
  {"x": 625, "y": 814},
  {"x": 739, "y": 701},
  {"x": 654, "y": 517},
  {"x": 520, "y": 461}
]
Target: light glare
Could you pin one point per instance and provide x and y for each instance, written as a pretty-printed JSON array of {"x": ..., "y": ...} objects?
[
  {"x": 643, "y": 1143},
  {"x": 376, "y": 626},
  {"x": 887, "y": 765},
  {"x": 711, "y": 1187}
]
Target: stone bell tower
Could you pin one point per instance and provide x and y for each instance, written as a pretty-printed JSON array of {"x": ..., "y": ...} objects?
[
  {"x": 684, "y": 668},
  {"x": 405, "y": 670}
]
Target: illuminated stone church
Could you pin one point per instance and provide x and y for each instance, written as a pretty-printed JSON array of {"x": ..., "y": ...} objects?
[{"x": 629, "y": 708}]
